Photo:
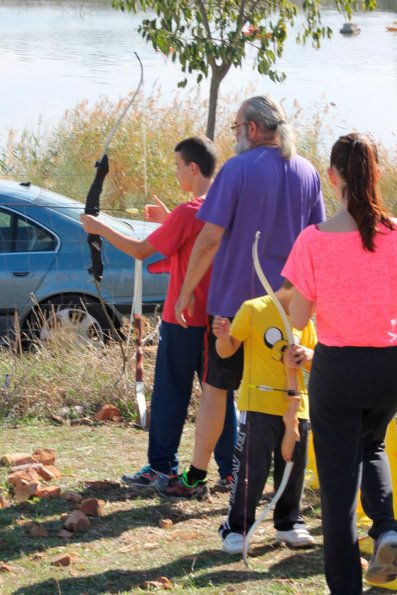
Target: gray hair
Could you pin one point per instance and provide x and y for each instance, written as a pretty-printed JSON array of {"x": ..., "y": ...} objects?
[{"x": 270, "y": 117}]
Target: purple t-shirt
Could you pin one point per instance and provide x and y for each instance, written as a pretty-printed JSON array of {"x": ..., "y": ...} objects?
[{"x": 257, "y": 190}]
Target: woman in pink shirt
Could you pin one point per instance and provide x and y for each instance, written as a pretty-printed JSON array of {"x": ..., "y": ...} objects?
[{"x": 346, "y": 269}]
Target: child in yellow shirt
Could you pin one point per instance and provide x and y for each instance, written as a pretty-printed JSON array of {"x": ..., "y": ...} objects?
[{"x": 265, "y": 417}]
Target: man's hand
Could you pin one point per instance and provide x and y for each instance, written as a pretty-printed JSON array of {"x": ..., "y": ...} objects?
[
  {"x": 91, "y": 224},
  {"x": 156, "y": 213},
  {"x": 185, "y": 303},
  {"x": 221, "y": 327}
]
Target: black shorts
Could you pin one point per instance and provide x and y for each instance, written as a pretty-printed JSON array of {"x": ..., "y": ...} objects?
[{"x": 225, "y": 373}]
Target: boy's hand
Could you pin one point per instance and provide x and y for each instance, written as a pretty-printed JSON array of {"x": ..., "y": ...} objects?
[
  {"x": 156, "y": 213},
  {"x": 185, "y": 303},
  {"x": 295, "y": 356},
  {"x": 91, "y": 224},
  {"x": 221, "y": 327}
]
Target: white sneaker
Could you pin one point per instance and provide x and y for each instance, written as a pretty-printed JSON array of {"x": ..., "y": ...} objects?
[
  {"x": 233, "y": 543},
  {"x": 295, "y": 537},
  {"x": 383, "y": 566}
]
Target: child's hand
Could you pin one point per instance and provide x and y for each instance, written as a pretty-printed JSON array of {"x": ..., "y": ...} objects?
[
  {"x": 91, "y": 224},
  {"x": 295, "y": 356},
  {"x": 156, "y": 213},
  {"x": 221, "y": 327}
]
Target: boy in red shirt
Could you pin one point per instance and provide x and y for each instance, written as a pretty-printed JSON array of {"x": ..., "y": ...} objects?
[{"x": 180, "y": 351}]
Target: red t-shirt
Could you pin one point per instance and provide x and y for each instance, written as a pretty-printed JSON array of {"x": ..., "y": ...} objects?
[{"x": 174, "y": 239}]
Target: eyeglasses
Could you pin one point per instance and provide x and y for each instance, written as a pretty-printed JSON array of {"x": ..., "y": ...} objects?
[{"x": 235, "y": 127}]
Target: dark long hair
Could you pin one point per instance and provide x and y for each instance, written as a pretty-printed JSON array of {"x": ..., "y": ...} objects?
[{"x": 355, "y": 157}]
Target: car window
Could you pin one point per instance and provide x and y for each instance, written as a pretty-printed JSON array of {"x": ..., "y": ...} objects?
[{"x": 19, "y": 234}]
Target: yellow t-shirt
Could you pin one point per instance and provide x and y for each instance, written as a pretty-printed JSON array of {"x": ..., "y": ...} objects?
[{"x": 258, "y": 325}]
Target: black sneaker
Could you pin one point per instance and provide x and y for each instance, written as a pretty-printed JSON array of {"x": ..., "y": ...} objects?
[
  {"x": 145, "y": 478},
  {"x": 179, "y": 487}
]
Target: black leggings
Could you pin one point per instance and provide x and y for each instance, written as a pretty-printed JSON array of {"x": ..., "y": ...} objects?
[{"x": 353, "y": 398}]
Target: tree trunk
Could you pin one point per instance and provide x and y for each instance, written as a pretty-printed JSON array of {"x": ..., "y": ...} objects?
[{"x": 217, "y": 76}]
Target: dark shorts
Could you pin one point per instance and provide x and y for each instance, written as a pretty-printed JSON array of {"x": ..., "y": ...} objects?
[{"x": 225, "y": 373}]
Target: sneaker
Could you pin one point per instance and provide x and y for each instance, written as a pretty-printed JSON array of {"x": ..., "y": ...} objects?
[
  {"x": 383, "y": 566},
  {"x": 233, "y": 543},
  {"x": 179, "y": 487},
  {"x": 298, "y": 537},
  {"x": 224, "y": 484},
  {"x": 145, "y": 478}
]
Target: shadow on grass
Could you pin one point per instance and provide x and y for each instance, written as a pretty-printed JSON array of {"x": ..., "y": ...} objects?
[
  {"x": 13, "y": 522},
  {"x": 180, "y": 573}
]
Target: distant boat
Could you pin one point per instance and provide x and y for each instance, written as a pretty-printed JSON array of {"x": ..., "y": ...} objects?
[
  {"x": 394, "y": 28},
  {"x": 350, "y": 29}
]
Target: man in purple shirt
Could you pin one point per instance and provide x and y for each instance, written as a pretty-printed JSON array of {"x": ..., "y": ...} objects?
[{"x": 265, "y": 187}]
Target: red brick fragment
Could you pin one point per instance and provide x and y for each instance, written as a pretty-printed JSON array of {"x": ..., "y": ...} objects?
[
  {"x": 107, "y": 413},
  {"x": 6, "y": 567},
  {"x": 25, "y": 483},
  {"x": 36, "y": 530},
  {"x": 162, "y": 582},
  {"x": 77, "y": 522},
  {"x": 61, "y": 560},
  {"x": 93, "y": 507},
  {"x": 49, "y": 492},
  {"x": 46, "y": 456},
  {"x": 18, "y": 458},
  {"x": 71, "y": 496}
]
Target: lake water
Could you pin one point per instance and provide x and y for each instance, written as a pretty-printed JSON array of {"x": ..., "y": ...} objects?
[{"x": 54, "y": 54}]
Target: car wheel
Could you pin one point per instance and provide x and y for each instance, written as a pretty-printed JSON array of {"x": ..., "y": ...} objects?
[{"x": 71, "y": 318}]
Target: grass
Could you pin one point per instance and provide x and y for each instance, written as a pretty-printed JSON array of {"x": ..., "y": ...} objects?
[{"x": 127, "y": 547}]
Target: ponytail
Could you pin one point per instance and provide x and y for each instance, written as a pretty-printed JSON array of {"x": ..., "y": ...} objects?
[
  {"x": 287, "y": 139},
  {"x": 356, "y": 159}
]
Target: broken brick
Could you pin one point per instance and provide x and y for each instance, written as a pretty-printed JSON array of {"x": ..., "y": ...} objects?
[
  {"x": 25, "y": 483},
  {"x": 93, "y": 507},
  {"x": 6, "y": 567},
  {"x": 77, "y": 522},
  {"x": 46, "y": 456},
  {"x": 17, "y": 458},
  {"x": 36, "y": 530},
  {"x": 162, "y": 582},
  {"x": 61, "y": 560},
  {"x": 70, "y": 496},
  {"x": 107, "y": 413},
  {"x": 48, "y": 492}
]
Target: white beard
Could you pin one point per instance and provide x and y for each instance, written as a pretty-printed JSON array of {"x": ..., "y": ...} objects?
[{"x": 242, "y": 144}]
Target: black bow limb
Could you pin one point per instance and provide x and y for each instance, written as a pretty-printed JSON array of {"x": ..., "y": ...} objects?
[{"x": 92, "y": 207}]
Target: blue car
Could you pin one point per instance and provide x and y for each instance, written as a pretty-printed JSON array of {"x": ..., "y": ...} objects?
[{"x": 44, "y": 262}]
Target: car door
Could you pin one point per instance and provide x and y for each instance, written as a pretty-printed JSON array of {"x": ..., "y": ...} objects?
[{"x": 27, "y": 250}]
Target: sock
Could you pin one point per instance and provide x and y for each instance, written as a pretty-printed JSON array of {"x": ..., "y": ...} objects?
[{"x": 195, "y": 474}]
